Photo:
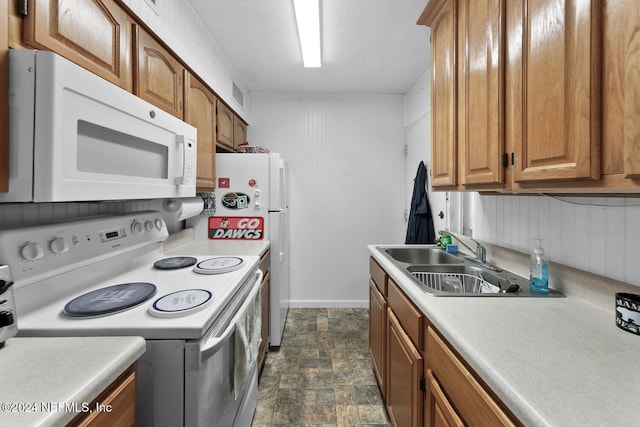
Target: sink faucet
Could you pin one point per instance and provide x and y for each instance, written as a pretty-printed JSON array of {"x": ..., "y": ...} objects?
[{"x": 479, "y": 251}]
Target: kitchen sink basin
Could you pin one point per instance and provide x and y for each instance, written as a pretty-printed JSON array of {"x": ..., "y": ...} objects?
[
  {"x": 427, "y": 255},
  {"x": 439, "y": 273},
  {"x": 465, "y": 279}
]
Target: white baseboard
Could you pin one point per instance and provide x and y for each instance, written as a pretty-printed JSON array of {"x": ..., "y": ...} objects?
[{"x": 328, "y": 304}]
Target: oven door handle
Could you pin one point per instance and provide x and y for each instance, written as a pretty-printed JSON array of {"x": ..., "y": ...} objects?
[{"x": 214, "y": 343}]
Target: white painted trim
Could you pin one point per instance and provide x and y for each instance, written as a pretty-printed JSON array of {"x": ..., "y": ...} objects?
[{"x": 329, "y": 304}]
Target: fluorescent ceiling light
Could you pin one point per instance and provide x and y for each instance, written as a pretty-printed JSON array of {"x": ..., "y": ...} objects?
[{"x": 308, "y": 21}]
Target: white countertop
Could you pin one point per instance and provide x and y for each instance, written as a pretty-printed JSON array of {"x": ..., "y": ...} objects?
[
  {"x": 183, "y": 243},
  {"x": 40, "y": 377},
  {"x": 552, "y": 361}
]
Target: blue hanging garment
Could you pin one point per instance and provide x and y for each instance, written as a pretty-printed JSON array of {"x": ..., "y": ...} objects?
[{"x": 420, "y": 227}]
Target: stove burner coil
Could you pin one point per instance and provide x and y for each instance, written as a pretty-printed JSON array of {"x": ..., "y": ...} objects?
[{"x": 109, "y": 300}]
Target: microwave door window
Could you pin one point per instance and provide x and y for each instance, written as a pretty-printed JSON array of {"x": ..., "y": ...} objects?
[{"x": 110, "y": 152}]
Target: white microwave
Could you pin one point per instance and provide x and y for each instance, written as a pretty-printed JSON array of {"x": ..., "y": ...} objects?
[{"x": 74, "y": 136}]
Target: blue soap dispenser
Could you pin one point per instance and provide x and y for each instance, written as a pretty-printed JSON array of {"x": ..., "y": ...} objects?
[{"x": 539, "y": 270}]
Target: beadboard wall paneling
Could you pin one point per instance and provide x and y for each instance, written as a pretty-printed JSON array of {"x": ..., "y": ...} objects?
[
  {"x": 183, "y": 31},
  {"x": 599, "y": 235},
  {"x": 346, "y": 175}
]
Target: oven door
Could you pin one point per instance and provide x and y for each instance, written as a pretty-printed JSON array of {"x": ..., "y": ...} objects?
[{"x": 221, "y": 380}]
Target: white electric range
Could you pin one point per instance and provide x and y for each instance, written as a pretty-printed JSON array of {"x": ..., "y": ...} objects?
[{"x": 199, "y": 315}]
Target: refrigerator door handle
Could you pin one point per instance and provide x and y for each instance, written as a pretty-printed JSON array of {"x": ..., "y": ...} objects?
[
  {"x": 281, "y": 236},
  {"x": 283, "y": 178}
]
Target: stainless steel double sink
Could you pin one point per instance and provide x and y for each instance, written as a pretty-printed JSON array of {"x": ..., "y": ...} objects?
[{"x": 439, "y": 273}]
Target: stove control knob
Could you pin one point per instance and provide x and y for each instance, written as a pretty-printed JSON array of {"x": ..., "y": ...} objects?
[
  {"x": 31, "y": 251},
  {"x": 149, "y": 225},
  {"x": 58, "y": 245},
  {"x": 137, "y": 228},
  {"x": 159, "y": 224}
]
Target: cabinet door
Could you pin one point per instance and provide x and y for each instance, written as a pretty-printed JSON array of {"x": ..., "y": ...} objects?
[
  {"x": 474, "y": 405},
  {"x": 404, "y": 370},
  {"x": 4, "y": 100},
  {"x": 200, "y": 112},
  {"x": 159, "y": 75},
  {"x": 378, "y": 334},
  {"x": 239, "y": 132},
  {"x": 560, "y": 105},
  {"x": 95, "y": 34},
  {"x": 119, "y": 398},
  {"x": 224, "y": 130},
  {"x": 632, "y": 97},
  {"x": 481, "y": 91},
  {"x": 438, "y": 409},
  {"x": 265, "y": 290},
  {"x": 440, "y": 15}
]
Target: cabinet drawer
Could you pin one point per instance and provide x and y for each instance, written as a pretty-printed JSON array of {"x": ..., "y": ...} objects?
[
  {"x": 467, "y": 395},
  {"x": 378, "y": 275},
  {"x": 409, "y": 316}
]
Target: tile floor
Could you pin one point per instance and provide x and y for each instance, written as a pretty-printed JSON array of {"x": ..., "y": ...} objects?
[{"x": 322, "y": 373}]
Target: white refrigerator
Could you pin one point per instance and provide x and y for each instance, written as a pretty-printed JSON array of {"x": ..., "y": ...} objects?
[{"x": 251, "y": 204}]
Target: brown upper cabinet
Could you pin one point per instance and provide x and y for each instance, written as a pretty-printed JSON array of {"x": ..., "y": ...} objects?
[
  {"x": 632, "y": 98},
  {"x": 159, "y": 75},
  {"x": 94, "y": 34},
  {"x": 554, "y": 75},
  {"x": 481, "y": 91},
  {"x": 442, "y": 18},
  {"x": 239, "y": 131},
  {"x": 531, "y": 95},
  {"x": 200, "y": 112},
  {"x": 224, "y": 130}
]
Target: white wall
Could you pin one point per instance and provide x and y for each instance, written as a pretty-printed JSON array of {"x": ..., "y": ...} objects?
[
  {"x": 417, "y": 110},
  {"x": 182, "y": 30},
  {"x": 346, "y": 160}
]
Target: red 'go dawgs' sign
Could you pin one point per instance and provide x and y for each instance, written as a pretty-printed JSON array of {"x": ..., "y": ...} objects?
[{"x": 236, "y": 228}]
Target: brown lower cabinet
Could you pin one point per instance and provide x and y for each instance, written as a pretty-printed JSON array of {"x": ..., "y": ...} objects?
[
  {"x": 117, "y": 403},
  {"x": 404, "y": 373},
  {"x": 454, "y": 393},
  {"x": 265, "y": 290},
  {"x": 438, "y": 409},
  {"x": 377, "y": 334},
  {"x": 422, "y": 379}
]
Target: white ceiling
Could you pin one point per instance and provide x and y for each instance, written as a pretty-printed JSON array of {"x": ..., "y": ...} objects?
[{"x": 368, "y": 46}]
